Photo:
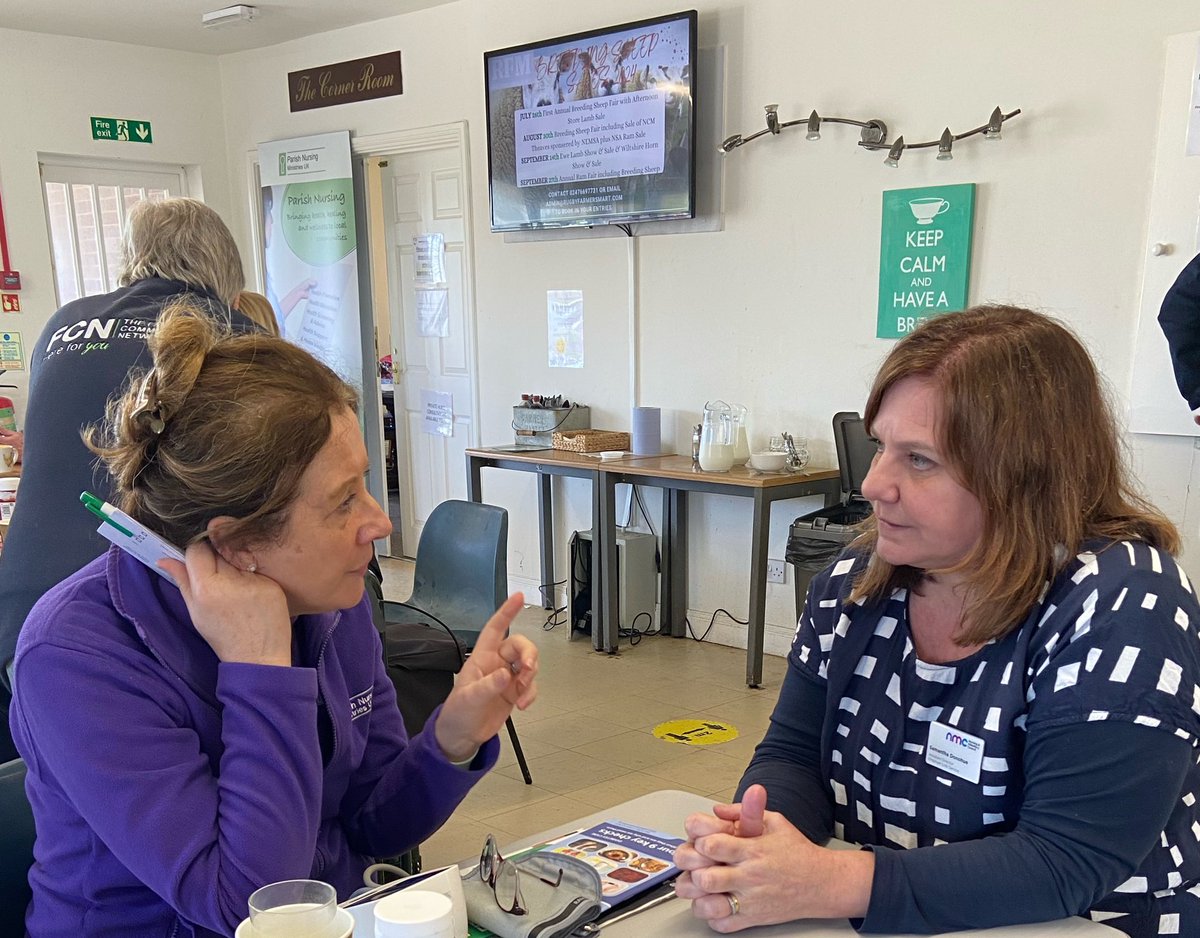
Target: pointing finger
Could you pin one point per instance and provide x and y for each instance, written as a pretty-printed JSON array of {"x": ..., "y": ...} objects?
[{"x": 497, "y": 626}]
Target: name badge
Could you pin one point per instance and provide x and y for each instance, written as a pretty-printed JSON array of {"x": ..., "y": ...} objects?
[{"x": 953, "y": 751}]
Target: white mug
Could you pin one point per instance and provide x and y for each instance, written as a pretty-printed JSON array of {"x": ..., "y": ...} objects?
[
  {"x": 8, "y": 457},
  {"x": 449, "y": 883},
  {"x": 414, "y": 913}
]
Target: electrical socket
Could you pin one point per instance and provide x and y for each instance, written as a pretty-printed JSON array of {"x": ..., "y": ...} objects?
[{"x": 776, "y": 571}]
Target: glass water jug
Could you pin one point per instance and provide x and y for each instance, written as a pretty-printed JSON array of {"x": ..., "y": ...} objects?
[
  {"x": 741, "y": 435},
  {"x": 717, "y": 437}
]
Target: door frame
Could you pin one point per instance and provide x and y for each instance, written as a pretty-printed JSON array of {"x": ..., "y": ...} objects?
[{"x": 416, "y": 140}]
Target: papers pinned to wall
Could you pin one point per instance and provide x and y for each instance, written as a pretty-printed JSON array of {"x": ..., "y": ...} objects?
[
  {"x": 12, "y": 353},
  {"x": 564, "y": 315},
  {"x": 437, "y": 412}
]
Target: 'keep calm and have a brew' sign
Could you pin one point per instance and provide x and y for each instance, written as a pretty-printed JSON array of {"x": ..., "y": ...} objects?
[
  {"x": 376, "y": 76},
  {"x": 924, "y": 255}
]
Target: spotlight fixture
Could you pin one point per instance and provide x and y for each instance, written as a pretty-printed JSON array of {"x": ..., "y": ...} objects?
[
  {"x": 873, "y": 134},
  {"x": 814, "y": 127},
  {"x": 894, "y": 154},
  {"x": 227, "y": 16},
  {"x": 992, "y": 132},
  {"x": 945, "y": 143},
  {"x": 773, "y": 118}
]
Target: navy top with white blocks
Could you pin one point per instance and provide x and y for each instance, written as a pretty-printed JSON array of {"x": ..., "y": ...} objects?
[{"x": 1049, "y": 760}]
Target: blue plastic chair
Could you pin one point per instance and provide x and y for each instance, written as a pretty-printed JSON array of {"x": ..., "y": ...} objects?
[
  {"x": 461, "y": 579},
  {"x": 16, "y": 848}
]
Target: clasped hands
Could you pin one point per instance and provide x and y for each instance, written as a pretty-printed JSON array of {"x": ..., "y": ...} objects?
[{"x": 744, "y": 865}]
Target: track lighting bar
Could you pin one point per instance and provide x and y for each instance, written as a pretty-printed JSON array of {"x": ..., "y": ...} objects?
[{"x": 873, "y": 133}]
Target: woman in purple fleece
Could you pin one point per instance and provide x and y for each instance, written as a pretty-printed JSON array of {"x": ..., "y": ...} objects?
[{"x": 189, "y": 744}]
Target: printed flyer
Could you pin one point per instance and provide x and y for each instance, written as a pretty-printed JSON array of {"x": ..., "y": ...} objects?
[{"x": 629, "y": 859}]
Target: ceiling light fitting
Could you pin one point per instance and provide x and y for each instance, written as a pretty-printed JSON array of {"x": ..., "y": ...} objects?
[
  {"x": 873, "y": 134},
  {"x": 226, "y": 16}
]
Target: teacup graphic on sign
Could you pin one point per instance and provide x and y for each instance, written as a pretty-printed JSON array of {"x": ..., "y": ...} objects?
[{"x": 925, "y": 210}]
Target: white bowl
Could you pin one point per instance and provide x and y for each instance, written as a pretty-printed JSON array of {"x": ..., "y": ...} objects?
[
  {"x": 343, "y": 920},
  {"x": 768, "y": 462}
]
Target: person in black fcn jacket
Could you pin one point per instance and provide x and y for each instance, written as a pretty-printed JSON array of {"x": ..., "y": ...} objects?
[{"x": 172, "y": 248}]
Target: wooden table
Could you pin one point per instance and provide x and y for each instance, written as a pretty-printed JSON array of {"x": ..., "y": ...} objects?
[
  {"x": 547, "y": 463},
  {"x": 677, "y": 476}
]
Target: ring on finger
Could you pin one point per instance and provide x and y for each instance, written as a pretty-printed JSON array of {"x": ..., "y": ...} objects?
[{"x": 734, "y": 905}]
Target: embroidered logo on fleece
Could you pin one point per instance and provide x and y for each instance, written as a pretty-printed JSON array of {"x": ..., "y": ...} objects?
[{"x": 360, "y": 704}]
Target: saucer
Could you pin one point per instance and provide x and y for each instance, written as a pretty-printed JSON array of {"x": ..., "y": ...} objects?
[{"x": 343, "y": 919}]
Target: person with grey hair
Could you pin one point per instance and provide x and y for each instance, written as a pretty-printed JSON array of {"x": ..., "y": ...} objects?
[{"x": 173, "y": 248}]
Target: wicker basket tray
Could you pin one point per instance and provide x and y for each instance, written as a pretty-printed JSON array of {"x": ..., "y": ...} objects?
[{"x": 590, "y": 441}]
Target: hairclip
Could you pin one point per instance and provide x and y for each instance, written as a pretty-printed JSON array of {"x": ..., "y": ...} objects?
[{"x": 146, "y": 412}]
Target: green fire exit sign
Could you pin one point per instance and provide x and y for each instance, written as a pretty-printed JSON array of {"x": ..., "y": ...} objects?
[{"x": 123, "y": 129}]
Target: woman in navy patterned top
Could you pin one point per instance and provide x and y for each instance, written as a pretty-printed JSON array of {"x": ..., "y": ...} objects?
[{"x": 995, "y": 690}]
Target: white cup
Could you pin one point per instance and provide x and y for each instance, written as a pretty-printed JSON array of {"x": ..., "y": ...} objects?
[
  {"x": 449, "y": 883},
  {"x": 414, "y": 913},
  {"x": 8, "y": 457}
]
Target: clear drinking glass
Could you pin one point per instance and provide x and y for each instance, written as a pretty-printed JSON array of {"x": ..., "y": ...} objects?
[{"x": 294, "y": 908}]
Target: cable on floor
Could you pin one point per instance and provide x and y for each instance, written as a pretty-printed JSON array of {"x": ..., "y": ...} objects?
[
  {"x": 687, "y": 622},
  {"x": 556, "y": 615},
  {"x": 634, "y": 634}
]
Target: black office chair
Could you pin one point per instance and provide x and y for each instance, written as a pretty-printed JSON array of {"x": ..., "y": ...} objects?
[
  {"x": 16, "y": 848},
  {"x": 461, "y": 579}
]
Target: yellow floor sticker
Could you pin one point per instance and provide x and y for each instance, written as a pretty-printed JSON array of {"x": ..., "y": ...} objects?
[{"x": 696, "y": 732}]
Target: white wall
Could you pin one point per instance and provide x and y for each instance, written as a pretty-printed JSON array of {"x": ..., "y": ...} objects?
[
  {"x": 778, "y": 309},
  {"x": 53, "y": 85}
]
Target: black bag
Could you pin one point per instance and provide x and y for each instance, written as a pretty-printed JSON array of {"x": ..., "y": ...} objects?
[{"x": 421, "y": 660}]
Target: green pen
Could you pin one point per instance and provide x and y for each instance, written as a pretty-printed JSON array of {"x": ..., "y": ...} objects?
[{"x": 102, "y": 510}]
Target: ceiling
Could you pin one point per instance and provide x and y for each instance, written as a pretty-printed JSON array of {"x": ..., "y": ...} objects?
[{"x": 175, "y": 24}]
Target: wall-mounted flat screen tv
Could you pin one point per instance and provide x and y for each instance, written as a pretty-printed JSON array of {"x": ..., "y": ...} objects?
[{"x": 596, "y": 128}]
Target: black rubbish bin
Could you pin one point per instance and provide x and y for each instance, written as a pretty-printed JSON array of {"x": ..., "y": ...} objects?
[{"x": 819, "y": 536}]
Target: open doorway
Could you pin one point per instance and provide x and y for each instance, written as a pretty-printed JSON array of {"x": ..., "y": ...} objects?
[{"x": 422, "y": 283}]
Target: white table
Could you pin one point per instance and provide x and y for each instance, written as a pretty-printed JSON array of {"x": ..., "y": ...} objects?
[{"x": 667, "y": 810}]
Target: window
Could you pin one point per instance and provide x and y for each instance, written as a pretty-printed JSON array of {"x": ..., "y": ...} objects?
[{"x": 86, "y": 206}]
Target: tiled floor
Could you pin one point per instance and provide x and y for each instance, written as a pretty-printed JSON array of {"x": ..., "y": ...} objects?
[{"x": 588, "y": 737}]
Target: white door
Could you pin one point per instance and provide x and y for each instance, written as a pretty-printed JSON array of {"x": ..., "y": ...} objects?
[
  {"x": 1155, "y": 404},
  {"x": 425, "y": 193}
]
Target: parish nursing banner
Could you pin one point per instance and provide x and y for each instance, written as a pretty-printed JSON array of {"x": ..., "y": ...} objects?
[{"x": 310, "y": 248}]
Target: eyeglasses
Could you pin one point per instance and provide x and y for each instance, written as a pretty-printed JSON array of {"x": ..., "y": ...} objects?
[{"x": 504, "y": 877}]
